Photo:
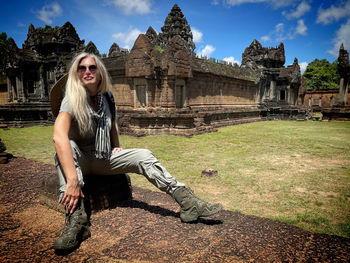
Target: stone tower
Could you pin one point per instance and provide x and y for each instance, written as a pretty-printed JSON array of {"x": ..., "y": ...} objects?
[
  {"x": 91, "y": 48},
  {"x": 257, "y": 57},
  {"x": 60, "y": 41},
  {"x": 176, "y": 24},
  {"x": 344, "y": 72},
  {"x": 152, "y": 35},
  {"x": 278, "y": 86}
]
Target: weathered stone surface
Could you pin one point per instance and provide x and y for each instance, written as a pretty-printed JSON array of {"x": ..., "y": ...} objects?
[
  {"x": 32, "y": 71},
  {"x": 210, "y": 173},
  {"x": 344, "y": 72},
  {"x": 302, "y": 91},
  {"x": 343, "y": 62},
  {"x": 184, "y": 122},
  {"x": 336, "y": 114},
  {"x": 116, "y": 51},
  {"x": 91, "y": 48},
  {"x": 148, "y": 229},
  {"x": 257, "y": 57},
  {"x": 339, "y": 108},
  {"x": 176, "y": 59},
  {"x": 176, "y": 24},
  {"x": 139, "y": 63},
  {"x": 45, "y": 40},
  {"x": 101, "y": 192},
  {"x": 4, "y": 156},
  {"x": 152, "y": 35},
  {"x": 2, "y": 146},
  {"x": 278, "y": 86}
]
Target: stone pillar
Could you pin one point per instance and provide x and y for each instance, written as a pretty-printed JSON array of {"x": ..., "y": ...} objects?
[
  {"x": 42, "y": 88},
  {"x": 290, "y": 94},
  {"x": 343, "y": 92},
  {"x": 163, "y": 98},
  {"x": 20, "y": 88},
  {"x": 171, "y": 93},
  {"x": 273, "y": 90},
  {"x": 9, "y": 90}
]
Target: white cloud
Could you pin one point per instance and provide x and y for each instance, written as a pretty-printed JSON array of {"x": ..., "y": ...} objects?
[
  {"x": 48, "y": 12},
  {"x": 342, "y": 36},
  {"x": 206, "y": 51},
  {"x": 303, "y": 66},
  {"x": 273, "y": 3},
  {"x": 131, "y": 7},
  {"x": 215, "y": 2},
  {"x": 127, "y": 39},
  {"x": 279, "y": 33},
  {"x": 302, "y": 8},
  {"x": 231, "y": 60},
  {"x": 332, "y": 14},
  {"x": 265, "y": 39},
  {"x": 301, "y": 28},
  {"x": 197, "y": 35}
]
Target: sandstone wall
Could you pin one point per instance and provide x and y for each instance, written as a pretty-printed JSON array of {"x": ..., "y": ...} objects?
[
  {"x": 322, "y": 98},
  {"x": 123, "y": 96},
  {"x": 212, "y": 91}
]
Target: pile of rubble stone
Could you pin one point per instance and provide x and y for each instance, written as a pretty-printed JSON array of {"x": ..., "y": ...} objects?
[{"x": 4, "y": 156}]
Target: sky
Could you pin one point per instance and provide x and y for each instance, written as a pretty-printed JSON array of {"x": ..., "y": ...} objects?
[{"x": 222, "y": 29}]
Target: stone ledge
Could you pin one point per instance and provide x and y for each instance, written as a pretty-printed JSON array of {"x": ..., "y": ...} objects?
[
  {"x": 336, "y": 114},
  {"x": 101, "y": 192}
]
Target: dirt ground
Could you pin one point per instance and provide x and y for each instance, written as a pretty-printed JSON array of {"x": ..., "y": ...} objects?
[{"x": 147, "y": 229}]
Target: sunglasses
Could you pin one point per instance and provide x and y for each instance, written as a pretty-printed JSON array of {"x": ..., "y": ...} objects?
[{"x": 92, "y": 69}]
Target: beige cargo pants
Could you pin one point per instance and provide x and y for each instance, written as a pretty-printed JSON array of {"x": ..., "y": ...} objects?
[{"x": 140, "y": 161}]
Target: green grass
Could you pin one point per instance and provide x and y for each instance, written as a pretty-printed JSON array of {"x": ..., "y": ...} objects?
[{"x": 296, "y": 172}]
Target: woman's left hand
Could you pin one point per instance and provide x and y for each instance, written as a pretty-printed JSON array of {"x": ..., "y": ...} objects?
[{"x": 117, "y": 149}]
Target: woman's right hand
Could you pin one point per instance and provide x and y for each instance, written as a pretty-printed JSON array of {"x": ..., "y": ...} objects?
[
  {"x": 65, "y": 156},
  {"x": 71, "y": 197}
]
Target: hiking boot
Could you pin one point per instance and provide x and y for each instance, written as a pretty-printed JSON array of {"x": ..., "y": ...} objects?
[
  {"x": 75, "y": 231},
  {"x": 192, "y": 207}
]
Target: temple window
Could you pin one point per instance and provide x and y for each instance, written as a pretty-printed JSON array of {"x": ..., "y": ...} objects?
[
  {"x": 282, "y": 95},
  {"x": 30, "y": 86},
  {"x": 31, "y": 77},
  {"x": 141, "y": 91},
  {"x": 180, "y": 93}
]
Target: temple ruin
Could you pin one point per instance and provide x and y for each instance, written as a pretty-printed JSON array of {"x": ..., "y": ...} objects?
[
  {"x": 339, "y": 107},
  {"x": 160, "y": 85},
  {"x": 31, "y": 72}
]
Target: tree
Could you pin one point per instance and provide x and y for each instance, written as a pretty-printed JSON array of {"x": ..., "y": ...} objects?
[
  {"x": 3, "y": 44},
  {"x": 320, "y": 74}
]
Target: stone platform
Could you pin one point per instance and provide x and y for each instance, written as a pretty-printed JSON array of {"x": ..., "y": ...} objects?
[
  {"x": 336, "y": 114},
  {"x": 101, "y": 192},
  {"x": 147, "y": 229},
  {"x": 26, "y": 114}
]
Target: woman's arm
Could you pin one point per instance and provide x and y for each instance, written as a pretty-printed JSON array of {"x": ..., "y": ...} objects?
[
  {"x": 115, "y": 138},
  {"x": 65, "y": 156}
]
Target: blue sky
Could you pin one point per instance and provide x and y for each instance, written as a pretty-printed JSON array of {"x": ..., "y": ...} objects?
[{"x": 222, "y": 29}]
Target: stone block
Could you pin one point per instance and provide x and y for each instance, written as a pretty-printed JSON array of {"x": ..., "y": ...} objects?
[
  {"x": 209, "y": 173},
  {"x": 4, "y": 157},
  {"x": 101, "y": 191}
]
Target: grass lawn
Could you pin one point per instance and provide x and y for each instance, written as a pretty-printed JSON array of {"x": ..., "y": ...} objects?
[{"x": 296, "y": 172}]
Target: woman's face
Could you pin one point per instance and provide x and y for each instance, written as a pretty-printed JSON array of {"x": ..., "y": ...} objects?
[{"x": 89, "y": 75}]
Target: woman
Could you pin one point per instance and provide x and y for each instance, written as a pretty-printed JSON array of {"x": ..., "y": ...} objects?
[{"x": 86, "y": 142}]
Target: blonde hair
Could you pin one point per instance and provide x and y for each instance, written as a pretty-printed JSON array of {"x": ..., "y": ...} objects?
[{"x": 77, "y": 94}]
